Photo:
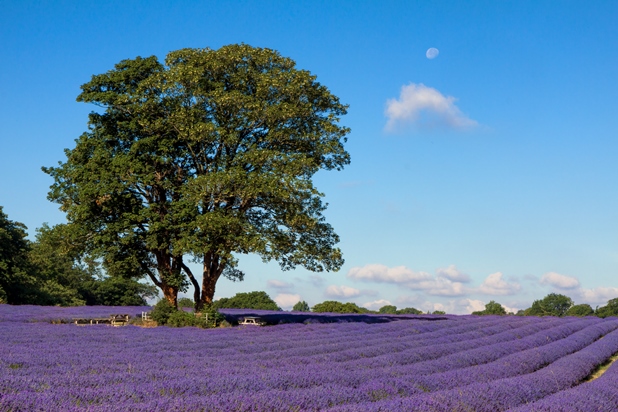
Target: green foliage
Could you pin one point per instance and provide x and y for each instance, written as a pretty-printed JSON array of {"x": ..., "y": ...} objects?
[
  {"x": 301, "y": 306},
  {"x": 334, "y": 306},
  {"x": 162, "y": 311},
  {"x": 492, "y": 308},
  {"x": 208, "y": 318},
  {"x": 117, "y": 291},
  {"x": 583, "y": 309},
  {"x": 551, "y": 305},
  {"x": 388, "y": 309},
  {"x": 185, "y": 303},
  {"x": 409, "y": 311},
  {"x": 611, "y": 309},
  {"x": 250, "y": 300},
  {"x": 180, "y": 318},
  {"x": 438, "y": 312},
  {"x": 55, "y": 270},
  {"x": 17, "y": 283},
  {"x": 210, "y": 154}
]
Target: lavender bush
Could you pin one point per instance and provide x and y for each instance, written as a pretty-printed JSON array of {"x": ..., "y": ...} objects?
[{"x": 439, "y": 363}]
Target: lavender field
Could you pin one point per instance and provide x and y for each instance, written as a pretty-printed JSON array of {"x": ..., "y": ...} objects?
[{"x": 405, "y": 363}]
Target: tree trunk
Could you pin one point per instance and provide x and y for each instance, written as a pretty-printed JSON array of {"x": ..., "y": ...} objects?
[
  {"x": 210, "y": 275},
  {"x": 170, "y": 293}
]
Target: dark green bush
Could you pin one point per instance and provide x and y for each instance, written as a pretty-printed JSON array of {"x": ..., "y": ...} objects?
[
  {"x": 162, "y": 311},
  {"x": 388, "y": 310},
  {"x": 180, "y": 318},
  {"x": 301, "y": 306},
  {"x": 409, "y": 311}
]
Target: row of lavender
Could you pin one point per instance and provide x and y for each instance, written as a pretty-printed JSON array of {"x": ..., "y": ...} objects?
[{"x": 459, "y": 363}]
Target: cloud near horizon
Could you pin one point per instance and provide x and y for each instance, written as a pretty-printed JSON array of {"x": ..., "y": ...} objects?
[
  {"x": 342, "y": 291},
  {"x": 570, "y": 286},
  {"x": 559, "y": 281},
  {"x": 494, "y": 284},
  {"x": 376, "y": 304},
  {"x": 287, "y": 300},
  {"x": 424, "y": 107},
  {"x": 447, "y": 282}
]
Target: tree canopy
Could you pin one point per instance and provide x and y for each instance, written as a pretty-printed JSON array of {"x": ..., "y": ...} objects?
[
  {"x": 553, "y": 304},
  {"x": 250, "y": 300},
  {"x": 16, "y": 281},
  {"x": 205, "y": 156},
  {"x": 301, "y": 306},
  {"x": 583, "y": 309},
  {"x": 492, "y": 308},
  {"x": 611, "y": 309},
  {"x": 388, "y": 309},
  {"x": 334, "y": 306},
  {"x": 52, "y": 270}
]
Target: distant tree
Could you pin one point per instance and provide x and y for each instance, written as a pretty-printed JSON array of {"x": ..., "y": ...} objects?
[
  {"x": 551, "y": 305},
  {"x": 250, "y": 300},
  {"x": 439, "y": 312},
  {"x": 409, "y": 311},
  {"x": 388, "y": 309},
  {"x": 334, "y": 306},
  {"x": 69, "y": 276},
  {"x": 17, "y": 283},
  {"x": 611, "y": 309},
  {"x": 583, "y": 309},
  {"x": 64, "y": 277},
  {"x": 301, "y": 306},
  {"x": 205, "y": 156},
  {"x": 492, "y": 308},
  {"x": 117, "y": 291}
]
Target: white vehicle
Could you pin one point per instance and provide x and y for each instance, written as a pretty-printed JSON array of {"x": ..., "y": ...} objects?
[{"x": 252, "y": 320}]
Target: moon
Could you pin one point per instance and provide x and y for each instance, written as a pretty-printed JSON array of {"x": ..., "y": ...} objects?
[{"x": 432, "y": 53}]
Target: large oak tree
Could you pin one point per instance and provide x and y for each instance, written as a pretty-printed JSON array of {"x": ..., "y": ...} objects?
[{"x": 204, "y": 157}]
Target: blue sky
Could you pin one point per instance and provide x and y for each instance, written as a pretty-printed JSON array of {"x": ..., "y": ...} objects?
[{"x": 488, "y": 172}]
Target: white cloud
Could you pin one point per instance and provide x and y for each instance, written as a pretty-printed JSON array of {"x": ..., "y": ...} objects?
[
  {"x": 279, "y": 284},
  {"x": 510, "y": 309},
  {"x": 559, "y": 281},
  {"x": 384, "y": 274},
  {"x": 494, "y": 284},
  {"x": 473, "y": 305},
  {"x": 376, "y": 304},
  {"x": 424, "y": 106},
  {"x": 286, "y": 300},
  {"x": 598, "y": 296},
  {"x": 342, "y": 291},
  {"x": 571, "y": 286},
  {"x": 452, "y": 273},
  {"x": 439, "y": 285}
]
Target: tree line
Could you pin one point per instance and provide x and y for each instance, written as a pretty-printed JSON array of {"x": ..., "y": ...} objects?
[
  {"x": 551, "y": 305},
  {"x": 51, "y": 270}
]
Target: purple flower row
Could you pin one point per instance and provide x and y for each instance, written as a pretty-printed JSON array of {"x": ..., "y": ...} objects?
[
  {"x": 352, "y": 366},
  {"x": 501, "y": 394}
]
